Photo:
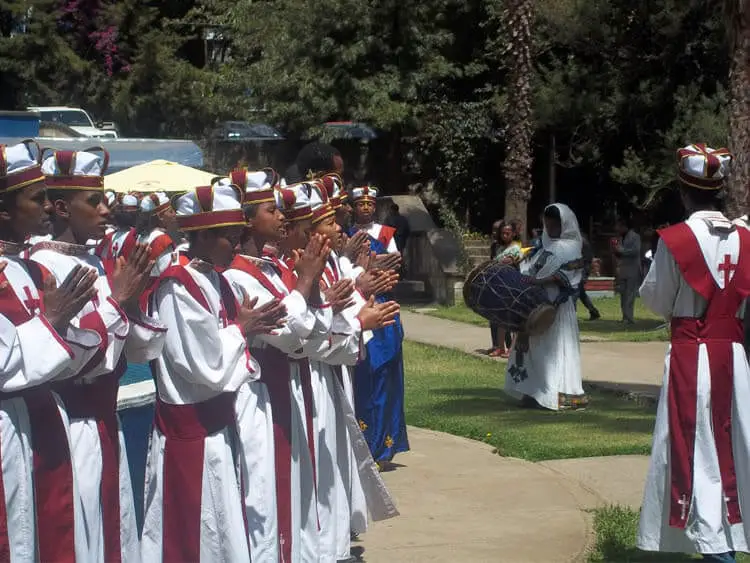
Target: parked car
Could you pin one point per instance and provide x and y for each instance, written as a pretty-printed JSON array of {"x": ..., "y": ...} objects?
[
  {"x": 77, "y": 119},
  {"x": 243, "y": 130}
]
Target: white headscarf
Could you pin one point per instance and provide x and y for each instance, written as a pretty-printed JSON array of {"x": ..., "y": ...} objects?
[{"x": 562, "y": 251}]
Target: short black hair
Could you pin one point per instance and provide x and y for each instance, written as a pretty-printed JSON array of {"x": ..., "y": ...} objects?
[
  {"x": 705, "y": 198},
  {"x": 8, "y": 200},
  {"x": 250, "y": 210},
  {"x": 394, "y": 207},
  {"x": 553, "y": 212},
  {"x": 293, "y": 175},
  {"x": 317, "y": 158},
  {"x": 625, "y": 220}
]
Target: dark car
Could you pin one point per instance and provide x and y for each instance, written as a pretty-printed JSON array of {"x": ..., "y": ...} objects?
[{"x": 245, "y": 130}]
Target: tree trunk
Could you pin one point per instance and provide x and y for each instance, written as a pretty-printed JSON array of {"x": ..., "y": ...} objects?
[
  {"x": 739, "y": 107},
  {"x": 518, "y": 160}
]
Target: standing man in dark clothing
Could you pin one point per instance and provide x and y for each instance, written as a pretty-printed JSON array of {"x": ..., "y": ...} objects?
[
  {"x": 588, "y": 259},
  {"x": 628, "y": 250},
  {"x": 401, "y": 224}
]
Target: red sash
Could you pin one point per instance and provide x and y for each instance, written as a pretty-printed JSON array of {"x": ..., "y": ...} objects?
[
  {"x": 386, "y": 235},
  {"x": 52, "y": 466},
  {"x": 250, "y": 268},
  {"x": 719, "y": 329},
  {"x": 98, "y": 401},
  {"x": 109, "y": 255},
  {"x": 185, "y": 428}
]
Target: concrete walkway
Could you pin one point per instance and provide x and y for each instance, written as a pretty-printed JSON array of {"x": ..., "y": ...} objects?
[
  {"x": 633, "y": 366},
  {"x": 460, "y": 502}
]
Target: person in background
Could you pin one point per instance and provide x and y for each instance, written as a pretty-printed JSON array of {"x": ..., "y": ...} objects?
[
  {"x": 628, "y": 251},
  {"x": 535, "y": 243},
  {"x": 508, "y": 251},
  {"x": 544, "y": 370},
  {"x": 588, "y": 258},
  {"x": 401, "y": 224}
]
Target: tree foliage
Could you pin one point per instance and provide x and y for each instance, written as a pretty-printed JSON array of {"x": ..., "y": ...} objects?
[{"x": 618, "y": 84}]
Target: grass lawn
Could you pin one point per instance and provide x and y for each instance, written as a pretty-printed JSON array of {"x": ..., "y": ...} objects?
[
  {"x": 608, "y": 327},
  {"x": 616, "y": 529},
  {"x": 461, "y": 394}
]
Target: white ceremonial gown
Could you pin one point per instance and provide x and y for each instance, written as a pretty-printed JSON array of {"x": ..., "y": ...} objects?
[
  {"x": 356, "y": 497},
  {"x": 90, "y": 399},
  {"x": 342, "y": 497},
  {"x": 283, "y": 522},
  {"x": 193, "y": 491},
  {"x": 550, "y": 371},
  {"x": 163, "y": 251},
  {"x": 39, "y": 491},
  {"x": 698, "y": 485}
]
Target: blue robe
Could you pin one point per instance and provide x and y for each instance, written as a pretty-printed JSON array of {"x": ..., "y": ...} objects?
[{"x": 379, "y": 387}]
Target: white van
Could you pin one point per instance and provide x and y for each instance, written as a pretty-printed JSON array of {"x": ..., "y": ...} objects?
[{"x": 78, "y": 120}]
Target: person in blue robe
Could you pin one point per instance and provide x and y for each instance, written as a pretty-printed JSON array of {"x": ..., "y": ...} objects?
[{"x": 379, "y": 378}]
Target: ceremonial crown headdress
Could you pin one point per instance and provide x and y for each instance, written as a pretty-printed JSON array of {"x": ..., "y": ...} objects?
[
  {"x": 210, "y": 207},
  {"x": 75, "y": 170},
  {"x": 19, "y": 167},
  {"x": 702, "y": 167}
]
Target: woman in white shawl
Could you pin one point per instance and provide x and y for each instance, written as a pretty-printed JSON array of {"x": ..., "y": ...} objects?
[{"x": 545, "y": 369}]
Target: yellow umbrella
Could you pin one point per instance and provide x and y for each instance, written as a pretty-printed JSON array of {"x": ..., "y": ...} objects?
[{"x": 157, "y": 176}]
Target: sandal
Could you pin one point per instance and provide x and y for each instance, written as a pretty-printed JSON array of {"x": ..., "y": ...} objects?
[{"x": 498, "y": 353}]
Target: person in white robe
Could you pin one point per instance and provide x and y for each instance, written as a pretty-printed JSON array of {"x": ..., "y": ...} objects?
[
  {"x": 353, "y": 319},
  {"x": 272, "y": 429},
  {"x": 120, "y": 240},
  {"x": 698, "y": 482},
  {"x": 37, "y": 483},
  {"x": 157, "y": 224},
  {"x": 294, "y": 202},
  {"x": 545, "y": 369},
  {"x": 75, "y": 188},
  {"x": 194, "y": 491}
]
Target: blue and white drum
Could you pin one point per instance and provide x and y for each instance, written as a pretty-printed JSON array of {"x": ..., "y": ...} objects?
[{"x": 502, "y": 295}]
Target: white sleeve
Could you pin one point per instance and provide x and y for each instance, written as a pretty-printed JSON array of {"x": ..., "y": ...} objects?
[
  {"x": 145, "y": 340},
  {"x": 31, "y": 353},
  {"x": 349, "y": 270},
  {"x": 300, "y": 320},
  {"x": 102, "y": 316},
  {"x": 659, "y": 288},
  {"x": 196, "y": 348}
]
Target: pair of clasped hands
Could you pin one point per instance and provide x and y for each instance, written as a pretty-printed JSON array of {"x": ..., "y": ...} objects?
[
  {"x": 309, "y": 265},
  {"x": 62, "y": 303}
]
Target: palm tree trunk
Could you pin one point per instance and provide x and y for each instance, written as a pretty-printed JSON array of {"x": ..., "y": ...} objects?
[
  {"x": 518, "y": 15},
  {"x": 738, "y": 20}
]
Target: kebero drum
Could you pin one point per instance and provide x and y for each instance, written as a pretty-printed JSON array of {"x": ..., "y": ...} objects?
[{"x": 500, "y": 294}]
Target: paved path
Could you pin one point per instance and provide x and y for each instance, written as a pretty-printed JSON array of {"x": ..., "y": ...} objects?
[
  {"x": 460, "y": 502},
  {"x": 634, "y": 366},
  {"x": 485, "y": 508}
]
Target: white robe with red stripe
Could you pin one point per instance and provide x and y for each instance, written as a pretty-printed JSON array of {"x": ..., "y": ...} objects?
[
  {"x": 162, "y": 250},
  {"x": 194, "y": 503},
  {"x": 90, "y": 399},
  {"x": 700, "y": 514},
  {"x": 267, "y": 507},
  {"x": 333, "y": 445},
  {"x": 32, "y": 422},
  {"x": 356, "y": 497}
]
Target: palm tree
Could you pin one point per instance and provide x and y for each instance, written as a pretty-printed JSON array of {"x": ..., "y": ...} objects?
[
  {"x": 738, "y": 27},
  {"x": 517, "y": 19}
]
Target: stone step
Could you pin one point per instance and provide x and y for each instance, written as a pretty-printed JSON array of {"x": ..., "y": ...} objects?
[{"x": 411, "y": 291}]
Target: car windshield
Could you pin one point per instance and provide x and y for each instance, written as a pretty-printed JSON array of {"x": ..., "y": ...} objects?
[{"x": 70, "y": 117}]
